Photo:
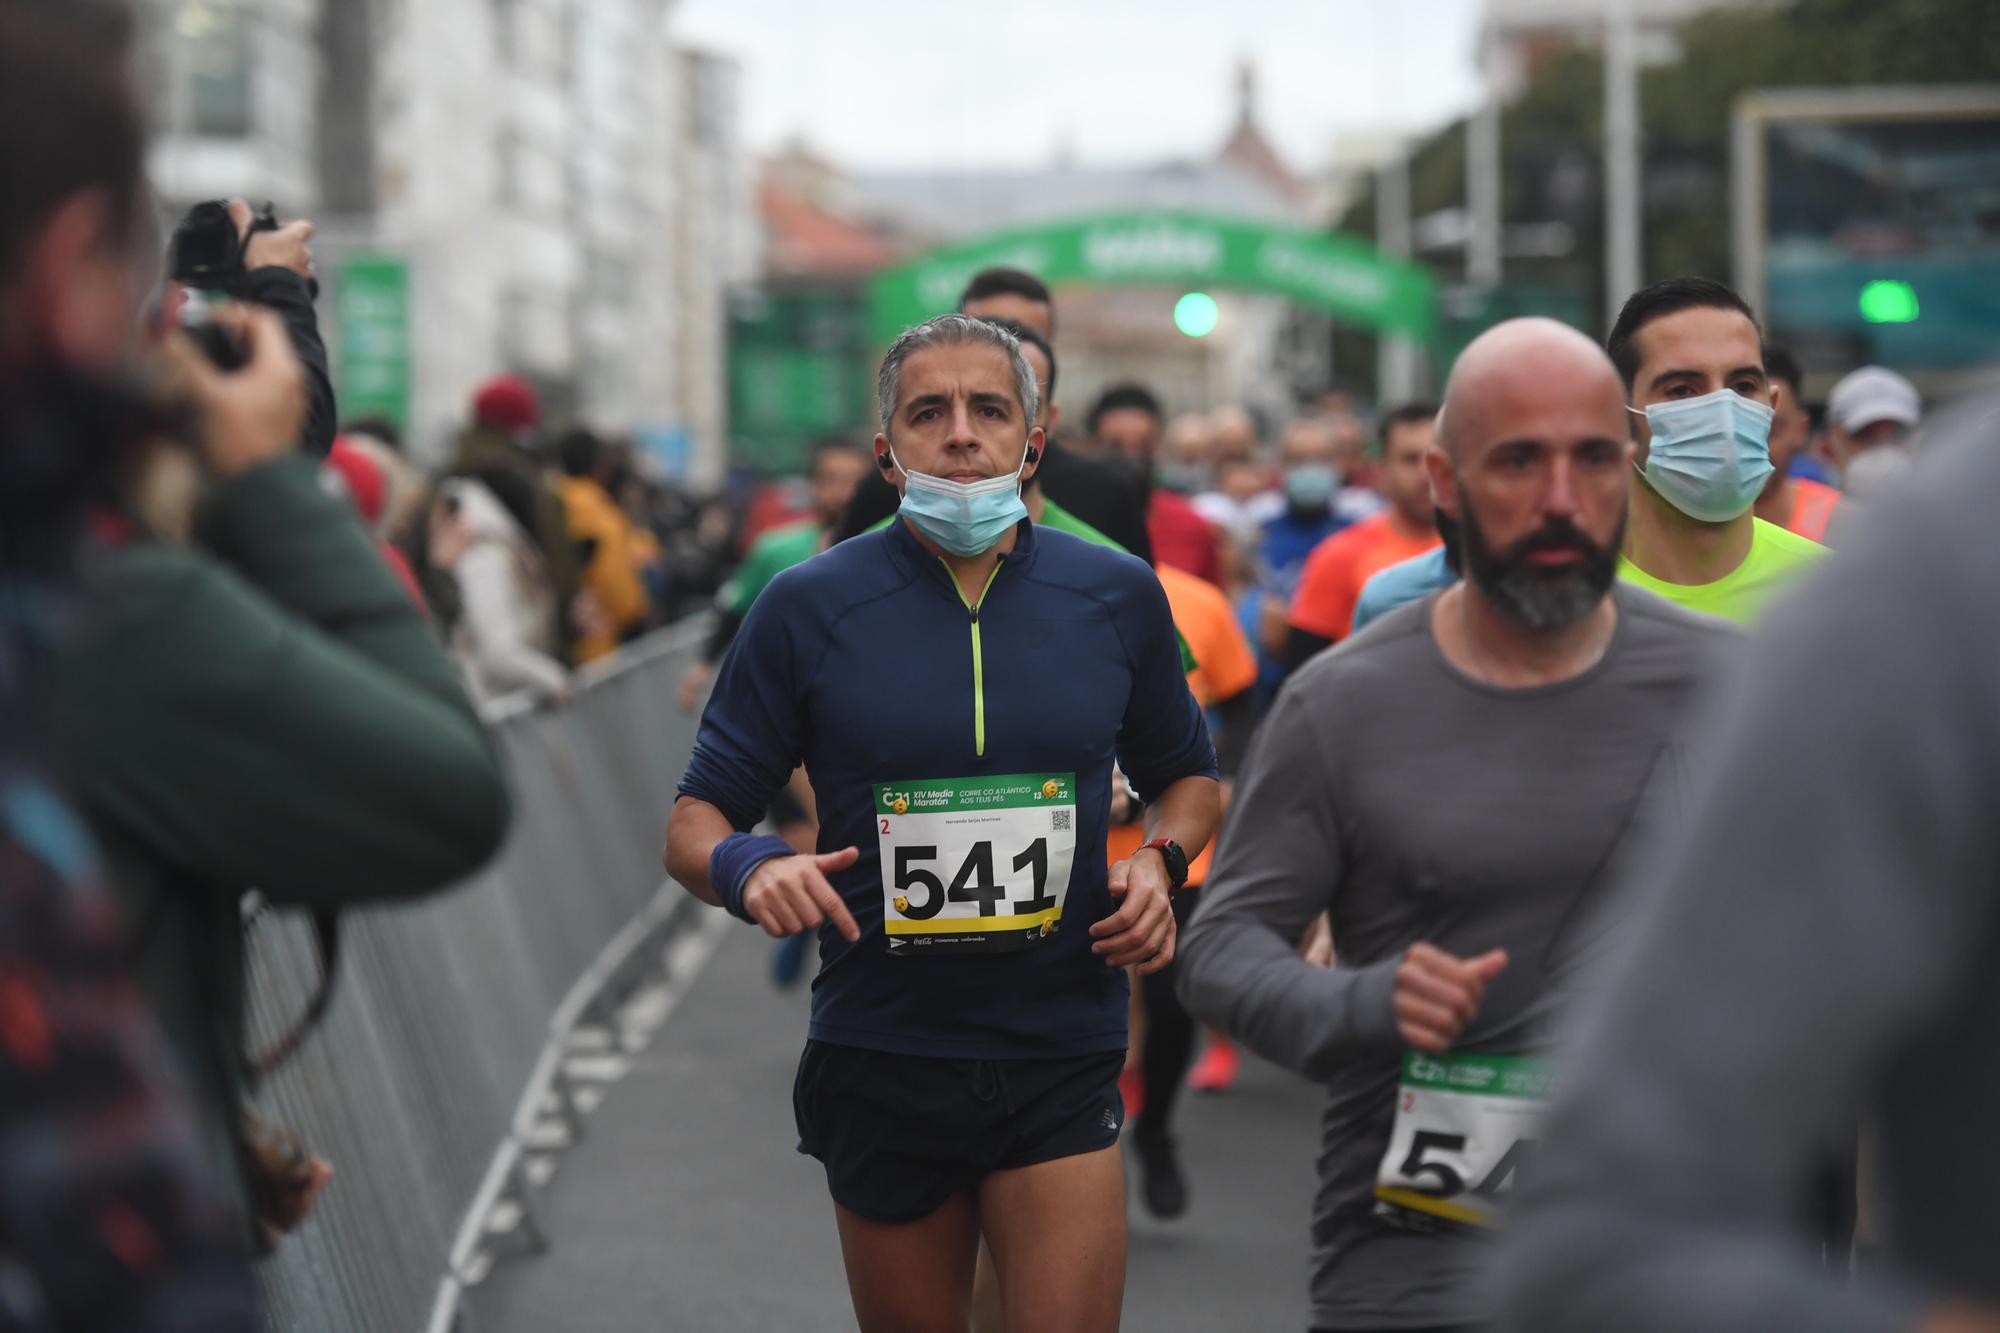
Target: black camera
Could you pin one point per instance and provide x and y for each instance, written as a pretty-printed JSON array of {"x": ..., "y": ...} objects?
[
  {"x": 207, "y": 251},
  {"x": 222, "y": 345}
]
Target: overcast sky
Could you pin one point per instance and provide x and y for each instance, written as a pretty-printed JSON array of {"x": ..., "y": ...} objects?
[{"x": 931, "y": 83}]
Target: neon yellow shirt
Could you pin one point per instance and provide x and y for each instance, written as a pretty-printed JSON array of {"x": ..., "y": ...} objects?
[{"x": 1776, "y": 558}]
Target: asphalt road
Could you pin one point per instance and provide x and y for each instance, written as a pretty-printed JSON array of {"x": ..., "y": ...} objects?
[{"x": 686, "y": 1207}]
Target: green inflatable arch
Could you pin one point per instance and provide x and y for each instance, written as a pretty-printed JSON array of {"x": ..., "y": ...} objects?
[{"x": 1342, "y": 275}]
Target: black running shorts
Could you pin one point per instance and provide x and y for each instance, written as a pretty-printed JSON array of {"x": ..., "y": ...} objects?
[{"x": 900, "y": 1134}]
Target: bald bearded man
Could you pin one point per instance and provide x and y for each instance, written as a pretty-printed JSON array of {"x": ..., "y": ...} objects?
[{"x": 1455, "y": 788}]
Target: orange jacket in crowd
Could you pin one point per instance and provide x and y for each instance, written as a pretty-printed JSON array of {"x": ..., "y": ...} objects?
[{"x": 611, "y": 575}]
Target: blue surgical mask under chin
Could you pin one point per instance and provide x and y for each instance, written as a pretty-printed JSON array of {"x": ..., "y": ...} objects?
[
  {"x": 1310, "y": 487},
  {"x": 1711, "y": 455},
  {"x": 1185, "y": 478},
  {"x": 966, "y": 518}
]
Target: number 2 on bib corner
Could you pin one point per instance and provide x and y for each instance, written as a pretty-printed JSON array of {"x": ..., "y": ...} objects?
[{"x": 975, "y": 865}]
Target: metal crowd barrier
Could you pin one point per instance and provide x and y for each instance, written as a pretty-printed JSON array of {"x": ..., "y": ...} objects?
[{"x": 445, "y": 1042}]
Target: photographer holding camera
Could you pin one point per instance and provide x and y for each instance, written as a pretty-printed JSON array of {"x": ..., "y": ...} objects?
[
  {"x": 253, "y": 258},
  {"x": 112, "y": 1215},
  {"x": 246, "y": 698}
]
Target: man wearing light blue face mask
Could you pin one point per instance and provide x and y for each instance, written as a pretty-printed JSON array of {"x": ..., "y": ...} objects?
[
  {"x": 958, "y": 686},
  {"x": 1692, "y": 359}
]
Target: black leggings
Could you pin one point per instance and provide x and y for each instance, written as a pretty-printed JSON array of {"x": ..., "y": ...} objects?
[{"x": 1169, "y": 1046}]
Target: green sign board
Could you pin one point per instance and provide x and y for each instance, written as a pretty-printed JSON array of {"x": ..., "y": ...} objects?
[
  {"x": 799, "y": 369},
  {"x": 1342, "y": 275},
  {"x": 372, "y": 304},
  {"x": 1468, "y": 312}
]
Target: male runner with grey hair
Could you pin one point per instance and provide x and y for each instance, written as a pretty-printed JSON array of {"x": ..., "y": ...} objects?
[
  {"x": 1454, "y": 787},
  {"x": 958, "y": 686}
]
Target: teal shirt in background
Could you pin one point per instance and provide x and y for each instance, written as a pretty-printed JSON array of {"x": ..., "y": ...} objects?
[{"x": 1407, "y": 581}]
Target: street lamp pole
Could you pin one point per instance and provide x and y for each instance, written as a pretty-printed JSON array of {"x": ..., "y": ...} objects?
[
  {"x": 1622, "y": 221},
  {"x": 1397, "y": 365},
  {"x": 1482, "y": 180}
]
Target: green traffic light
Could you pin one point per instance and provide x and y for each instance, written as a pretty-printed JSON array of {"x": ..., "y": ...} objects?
[
  {"x": 1196, "y": 314},
  {"x": 1889, "y": 301}
]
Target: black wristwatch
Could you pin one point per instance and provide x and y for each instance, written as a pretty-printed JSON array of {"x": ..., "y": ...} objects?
[{"x": 1176, "y": 859}]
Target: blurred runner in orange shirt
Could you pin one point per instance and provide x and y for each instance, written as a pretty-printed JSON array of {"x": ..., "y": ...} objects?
[
  {"x": 1798, "y": 503},
  {"x": 1323, "y": 607},
  {"x": 1224, "y": 683}
]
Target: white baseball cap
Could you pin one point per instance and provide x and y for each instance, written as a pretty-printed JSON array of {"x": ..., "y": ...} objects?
[{"x": 1871, "y": 394}]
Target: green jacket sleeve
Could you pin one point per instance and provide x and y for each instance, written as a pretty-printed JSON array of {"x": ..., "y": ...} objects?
[
  {"x": 279, "y": 717},
  {"x": 751, "y": 578}
]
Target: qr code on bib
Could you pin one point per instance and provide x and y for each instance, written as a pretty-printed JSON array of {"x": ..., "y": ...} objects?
[{"x": 1059, "y": 820}]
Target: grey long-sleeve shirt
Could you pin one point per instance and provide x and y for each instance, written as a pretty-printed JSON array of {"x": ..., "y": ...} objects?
[
  {"x": 1827, "y": 936},
  {"x": 1417, "y": 804}
]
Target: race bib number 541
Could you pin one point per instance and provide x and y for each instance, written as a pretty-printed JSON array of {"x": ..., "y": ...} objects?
[
  {"x": 1466, "y": 1127},
  {"x": 975, "y": 865}
]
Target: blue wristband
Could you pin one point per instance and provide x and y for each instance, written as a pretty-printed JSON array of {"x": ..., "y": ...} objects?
[{"x": 733, "y": 861}]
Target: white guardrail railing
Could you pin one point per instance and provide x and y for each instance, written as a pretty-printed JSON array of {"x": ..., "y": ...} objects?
[{"x": 467, "y": 1029}]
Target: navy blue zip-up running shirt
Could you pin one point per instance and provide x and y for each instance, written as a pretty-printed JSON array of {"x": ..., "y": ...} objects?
[{"x": 866, "y": 665}]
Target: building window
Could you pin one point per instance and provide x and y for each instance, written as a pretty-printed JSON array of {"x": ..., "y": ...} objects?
[
  {"x": 511, "y": 164},
  {"x": 506, "y": 19},
  {"x": 215, "y": 36}
]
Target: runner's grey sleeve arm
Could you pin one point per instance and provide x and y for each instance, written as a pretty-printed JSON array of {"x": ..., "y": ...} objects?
[
  {"x": 1278, "y": 867},
  {"x": 1805, "y": 948}
]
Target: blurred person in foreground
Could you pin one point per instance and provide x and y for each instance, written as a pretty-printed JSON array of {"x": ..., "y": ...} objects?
[
  {"x": 1451, "y": 786},
  {"x": 1796, "y": 503},
  {"x": 606, "y": 547},
  {"x": 1322, "y": 611},
  {"x": 114, "y": 1215},
  {"x": 1126, "y": 422},
  {"x": 1822, "y": 936},
  {"x": 1692, "y": 358},
  {"x": 249, "y": 699}
]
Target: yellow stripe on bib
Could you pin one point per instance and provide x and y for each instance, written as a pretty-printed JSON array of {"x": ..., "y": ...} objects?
[{"x": 975, "y": 925}]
